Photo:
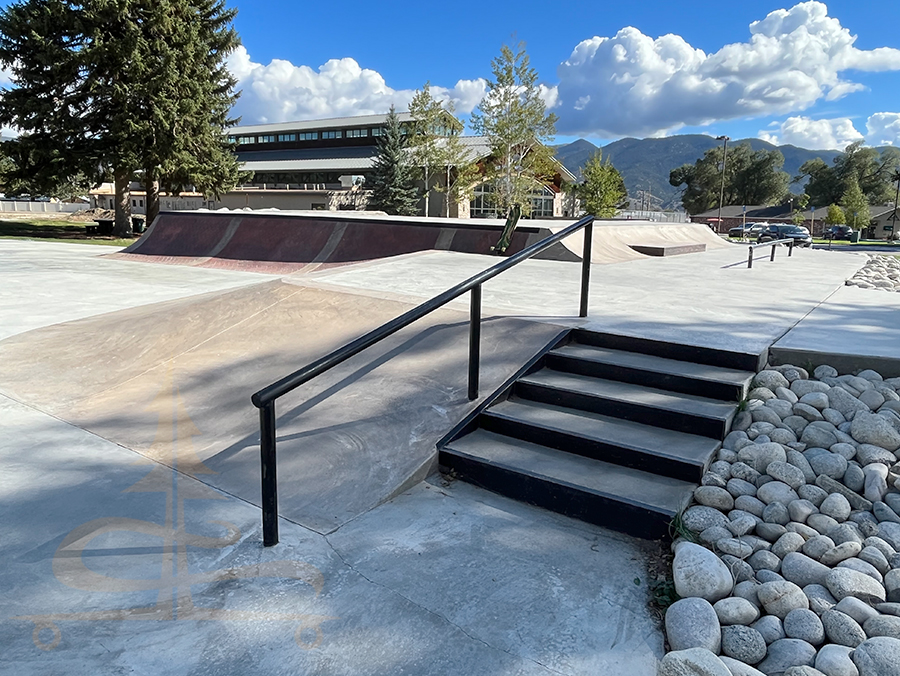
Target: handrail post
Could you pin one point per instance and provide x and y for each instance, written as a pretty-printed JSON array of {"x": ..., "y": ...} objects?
[
  {"x": 772, "y": 258},
  {"x": 790, "y": 248},
  {"x": 586, "y": 269},
  {"x": 269, "y": 476},
  {"x": 750, "y": 258},
  {"x": 474, "y": 341}
]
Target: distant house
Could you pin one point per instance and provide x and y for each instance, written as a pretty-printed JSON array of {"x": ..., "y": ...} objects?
[
  {"x": 885, "y": 222},
  {"x": 324, "y": 165},
  {"x": 104, "y": 197}
]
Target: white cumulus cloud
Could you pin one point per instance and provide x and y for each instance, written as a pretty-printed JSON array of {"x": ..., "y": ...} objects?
[
  {"x": 282, "y": 91},
  {"x": 632, "y": 84},
  {"x": 883, "y": 129},
  {"x": 834, "y": 134}
]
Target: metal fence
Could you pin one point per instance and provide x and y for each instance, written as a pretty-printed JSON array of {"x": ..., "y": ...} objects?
[{"x": 659, "y": 216}]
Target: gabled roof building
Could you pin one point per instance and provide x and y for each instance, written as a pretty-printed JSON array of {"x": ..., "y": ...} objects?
[{"x": 324, "y": 165}]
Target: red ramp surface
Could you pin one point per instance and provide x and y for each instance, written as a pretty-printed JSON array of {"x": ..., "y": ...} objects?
[{"x": 267, "y": 242}]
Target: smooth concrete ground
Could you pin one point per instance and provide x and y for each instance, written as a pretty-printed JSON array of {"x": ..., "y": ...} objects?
[
  {"x": 130, "y": 534},
  {"x": 130, "y": 539}
]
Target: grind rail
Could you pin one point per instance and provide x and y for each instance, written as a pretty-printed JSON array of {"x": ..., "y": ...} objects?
[
  {"x": 265, "y": 398},
  {"x": 773, "y": 244}
]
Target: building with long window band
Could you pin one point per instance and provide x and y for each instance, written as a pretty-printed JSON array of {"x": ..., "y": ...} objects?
[{"x": 324, "y": 164}]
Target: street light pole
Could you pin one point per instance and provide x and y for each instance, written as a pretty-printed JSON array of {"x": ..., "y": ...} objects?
[{"x": 726, "y": 139}]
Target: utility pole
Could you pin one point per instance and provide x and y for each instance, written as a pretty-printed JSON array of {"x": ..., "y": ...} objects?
[{"x": 726, "y": 139}]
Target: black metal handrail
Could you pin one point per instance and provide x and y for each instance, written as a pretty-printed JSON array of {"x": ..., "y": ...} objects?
[
  {"x": 773, "y": 244},
  {"x": 265, "y": 399}
]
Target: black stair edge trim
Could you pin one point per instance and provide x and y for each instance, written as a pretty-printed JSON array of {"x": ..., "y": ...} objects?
[
  {"x": 678, "y": 421},
  {"x": 636, "y": 375},
  {"x": 624, "y": 455},
  {"x": 740, "y": 361},
  {"x": 635, "y": 519},
  {"x": 470, "y": 422}
]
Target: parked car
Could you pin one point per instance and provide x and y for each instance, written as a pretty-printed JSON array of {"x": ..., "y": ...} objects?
[
  {"x": 839, "y": 232},
  {"x": 747, "y": 230},
  {"x": 799, "y": 234}
]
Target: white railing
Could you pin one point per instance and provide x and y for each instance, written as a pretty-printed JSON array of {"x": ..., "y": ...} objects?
[
  {"x": 660, "y": 216},
  {"x": 9, "y": 206}
]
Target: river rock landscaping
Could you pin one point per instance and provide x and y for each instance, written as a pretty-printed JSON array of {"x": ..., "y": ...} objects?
[
  {"x": 788, "y": 559},
  {"x": 881, "y": 272}
]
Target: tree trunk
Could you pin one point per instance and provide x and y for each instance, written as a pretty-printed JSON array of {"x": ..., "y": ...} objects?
[
  {"x": 151, "y": 186},
  {"x": 123, "y": 204}
]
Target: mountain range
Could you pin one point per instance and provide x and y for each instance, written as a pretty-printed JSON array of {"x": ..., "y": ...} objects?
[{"x": 645, "y": 163}]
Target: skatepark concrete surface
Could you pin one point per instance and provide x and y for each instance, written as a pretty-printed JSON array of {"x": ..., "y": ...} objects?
[{"x": 130, "y": 540}]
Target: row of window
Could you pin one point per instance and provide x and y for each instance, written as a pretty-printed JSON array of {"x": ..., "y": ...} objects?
[
  {"x": 306, "y": 136},
  {"x": 482, "y": 206}
]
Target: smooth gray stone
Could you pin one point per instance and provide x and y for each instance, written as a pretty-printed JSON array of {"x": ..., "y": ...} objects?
[
  {"x": 843, "y": 582},
  {"x": 818, "y": 400},
  {"x": 854, "y": 478},
  {"x": 867, "y": 454},
  {"x": 693, "y": 623},
  {"x": 739, "y": 568},
  {"x": 845, "y": 532},
  {"x": 842, "y": 629},
  {"x": 712, "y": 479},
  {"x": 699, "y": 517},
  {"x": 738, "y": 487},
  {"x": 812, "y": 492},
  {"x": 820, "y": 599},
  {"x": 844, "y": 402},
  {"x": 770, "y": 628},
  {"x": 802, "y": 570},
  {"x": 786, "y": 653},
  {"x": 892, "y": 499},
  {"x": 732, "y": 438},
  {"x": 875, "y": 557},
  {"x": 741, "y": 525},
  {"x": 758, "y": 456},
  {"x": 889, "y": 608},
  {"x": 861, "y": 566},
  {"x": 807, "y": 412},
  {"x": 804, "y": 670},
  {"x": 800, "y": 510},
  {"x": 802, "y": 529},
  {"x": 747, "y": 591},
  {"x": 777, "y": 512},
  {"x": 871, "y": 428},
  {"x": 781, "y": 597},
  {"x": 834, "y": 660},
  {"x": 750, "y": 504},
  {"x": 766, "y": 414},
  {"x": 840, "y": 552},
  {"x": 816, "y": 436},
  {"x": 735, "y": 547},
  {"x": 825, "y": 371},
  {"x": 805, "y": 625},
  {"x": 892, "y": 585},
  {"x": 821, "y": 523},
  {"x": 856, "y": 609},
  {"x": 770, "y": 531},
  {"x": 884, "y": 513},
  {"x": 714, "y": 496},
  {"x": 786, "y": 473},
  {"x": 699, "y": 572},
  {"x": 739, "y": 668},
  {"x": 777, "y": 491},
  {"x": 741, "y": 470},
  {"x": 818, "y": 545},
  {"x": 783, "y": 436},
  {"x": 764, "y": 575},
  {"x": 727, "y": 455},
  {"x": 879, "y": 544},
  {"x": 787, "y": 543},
  {"x": 769, "y": 379},
  {"x": 828, "y": 464},
  {"x": 736, "y": 610},
  {"x": 890, "y": 533},
  {"x": 844, "y": 449},
  {"x": 835, "y": 505},
  {"x": 797, "y": 460},
  {"x": 882, "y": 625},
  {"x": 764, "y": 560},
  {"x": 692, "y": 662},
  {"x": 744, "y": 644},
  {"x": 879, "y": 656}
]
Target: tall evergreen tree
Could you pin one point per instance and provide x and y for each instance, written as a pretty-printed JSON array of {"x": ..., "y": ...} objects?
[
  {"x": 393, "y": 179},
  {"x": 514, "y": 118},
  {"x": 118, "y": 86}
]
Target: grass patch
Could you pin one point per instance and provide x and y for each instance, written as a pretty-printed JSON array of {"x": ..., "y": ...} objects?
[
  {"x": 55, "y": 229},
  {"x": 868, "y": 242}
]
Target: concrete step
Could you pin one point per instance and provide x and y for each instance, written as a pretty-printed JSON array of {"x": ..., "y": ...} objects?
[
  {"x": 688, "y": 353},
  {"x": 646, "y": 405},
  {"x": 660, "y": 373},
  {"x": 621, "y": 498},
  {"x": 621, "y": 442}
]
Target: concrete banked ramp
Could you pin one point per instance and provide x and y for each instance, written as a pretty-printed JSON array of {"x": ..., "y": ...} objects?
[{"x": 288, "y": 242}]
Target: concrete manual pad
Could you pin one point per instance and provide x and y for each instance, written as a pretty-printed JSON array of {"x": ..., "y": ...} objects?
[
  {"x": 707, "y": 299},
  {"x": 853, "y": 329},
  {"x": 113, "y": 563},
  {"x": 347, "y": 440}
]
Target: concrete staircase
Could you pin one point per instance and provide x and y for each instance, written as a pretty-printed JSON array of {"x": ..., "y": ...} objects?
[{"x": 612, "y": 430}]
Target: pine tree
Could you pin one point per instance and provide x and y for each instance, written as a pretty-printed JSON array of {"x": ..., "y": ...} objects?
[
  {"x": 118, "y": 86},
  {"x": 514, "y": 118},
  {"x": 393, "y": 180}
]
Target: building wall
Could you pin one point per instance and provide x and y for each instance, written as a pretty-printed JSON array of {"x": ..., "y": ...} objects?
[
  {"x": 295, "y": 200},
  {"x": 884, "y": 227}
]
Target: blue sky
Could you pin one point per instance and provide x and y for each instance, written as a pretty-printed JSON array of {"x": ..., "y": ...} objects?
[{"x": 815, "y": 74}]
